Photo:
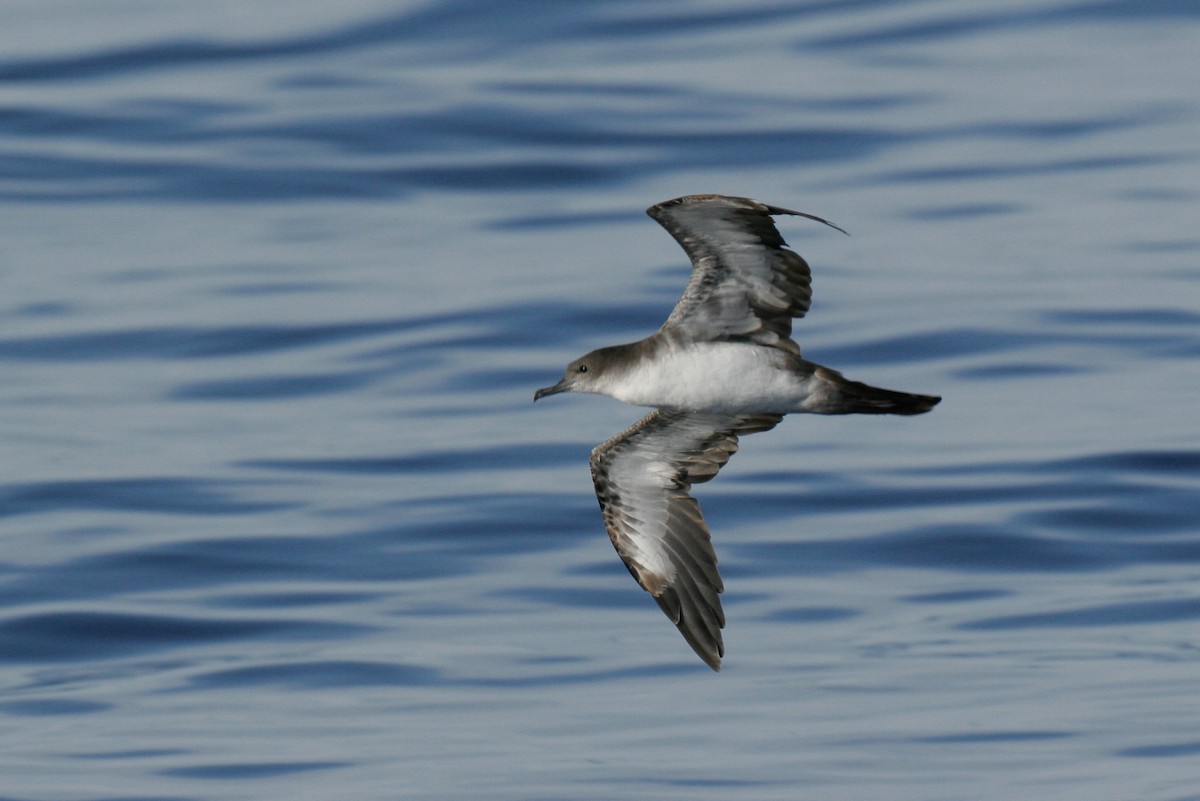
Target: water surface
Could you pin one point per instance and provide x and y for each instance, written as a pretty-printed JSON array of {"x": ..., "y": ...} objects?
[{"x": 279, "y": 519}]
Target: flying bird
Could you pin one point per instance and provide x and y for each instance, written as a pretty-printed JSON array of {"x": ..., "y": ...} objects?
[{"x": 722, "y": 366}]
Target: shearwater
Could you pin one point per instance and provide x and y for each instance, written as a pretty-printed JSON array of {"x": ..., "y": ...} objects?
[{"x": 722, "y": 366}]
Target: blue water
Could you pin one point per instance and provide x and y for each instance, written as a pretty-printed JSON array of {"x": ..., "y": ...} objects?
[{"x": 280, "y": 521}]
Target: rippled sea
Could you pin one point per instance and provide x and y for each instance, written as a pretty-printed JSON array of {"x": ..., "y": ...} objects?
[{"x": 279, "y": 520}]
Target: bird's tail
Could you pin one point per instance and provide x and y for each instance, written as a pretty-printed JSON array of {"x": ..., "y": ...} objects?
[{"x": 843, "y": 396}]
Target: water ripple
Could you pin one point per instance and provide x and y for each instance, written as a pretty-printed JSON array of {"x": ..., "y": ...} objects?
[
  {"x": 320, "y": 674},
  {"x": 248, "y": 770},
  {"x": 1123, "y": 614},
  {"x": 278, "y": 280},
  {"x": 181, "y": 496},
  {"x": 75, "y": 636}
]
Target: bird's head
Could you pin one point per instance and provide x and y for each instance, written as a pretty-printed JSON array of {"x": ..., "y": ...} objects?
[{"x": 590, "y": 373}]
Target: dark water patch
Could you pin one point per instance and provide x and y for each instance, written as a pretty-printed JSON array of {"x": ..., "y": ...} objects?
[
  {"x": 956, "y": 596},
  {"x": 519, "y": 528},
  {"x": 697, "y": 21},
  {"x": 393, "y": 554},
  {"x": 155, "y": 797},
  {"x": 266, "y": 289},
  {"x": 318, "y": 675},
  {"x": 187, "y": 343},
  {"x": 274, "y": 387},
  {"x": 727, "y": 784},
  {"x": 139, "y": 753},
  {"x": 964, "y": 211},
  {"x": 963, "y": 547},
  {"x": 284, "y": 600},
  {"x": 1157, "y": 510},
  {"x": 1010, "y": 370},
  {"x": 1013, "y": 170},
  {"x": 573, "y": 90},
  {"x": 460, "y": 607},
  {"x": 1166, "y": 195},
  {"x": 866, "y": 103},
  {"x": 1161, "y": 751},
  {"x": 986, "y": 20},
  {"x": 179, "y": 496},
  {"x": 945, "y": 27},
  {"x": 156, "y": 56},
  {"x": 851, "y": 496},
  {"x": 544, "y": 221},
  {"x": 42, "y": 707},
  {"x": 594, "y": 678},
  {"x": 1165, "y": 316},
  {"x": 502, "y": 176},
  {"x": 249, "y": 770},
  {"x": 956, "y": 548},
  {"x": 1104, "y": 471},
  {"x": 626, "y": 596},
  {"x": 147, "y": 123},
  {"x": 1072, "y": 128},
  {"x": 1128, "y": 10},
  {"x": 992, "y": 737},
  {"x": 45, "y": 309},
  {"x": 811, "y": 614},
  {"x": 81, "y": 636},
  {"x": 501, "y": 457},
  {"x": 553, "y": 659},
  {"x": 1158, "y": 462},
  {"x": 576, "y": 88},
  {"x": 84, "y": 180},
  {"x": 1133, "y": 613}
]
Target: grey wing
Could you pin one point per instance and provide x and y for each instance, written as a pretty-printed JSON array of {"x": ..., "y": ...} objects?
[
  {"x": 745, "y": 285},
  {"x": 642, "y": 478}
]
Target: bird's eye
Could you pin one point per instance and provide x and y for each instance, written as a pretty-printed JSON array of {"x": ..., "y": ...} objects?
[{"x": 583, "y": 368}]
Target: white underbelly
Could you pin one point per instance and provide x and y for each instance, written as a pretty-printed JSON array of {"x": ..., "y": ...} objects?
[{"x": 716, "y": 377}]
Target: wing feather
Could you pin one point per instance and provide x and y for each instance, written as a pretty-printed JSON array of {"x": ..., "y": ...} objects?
[
  {"x": 643, "y": 477},
  {"x": 745, "y": 284}
]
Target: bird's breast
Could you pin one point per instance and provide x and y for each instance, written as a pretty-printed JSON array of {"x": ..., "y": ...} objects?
[{"x": 725, "y": 377}]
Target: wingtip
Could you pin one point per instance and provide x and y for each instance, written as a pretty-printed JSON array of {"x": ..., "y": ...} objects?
[
  {"x": 706, "y": 642},
  {"x": 708, "y": 647},
  {"x": 708, "y": 654},
  {"x": 659, "y": 209},
  {"x": 805, "y": 214}
]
